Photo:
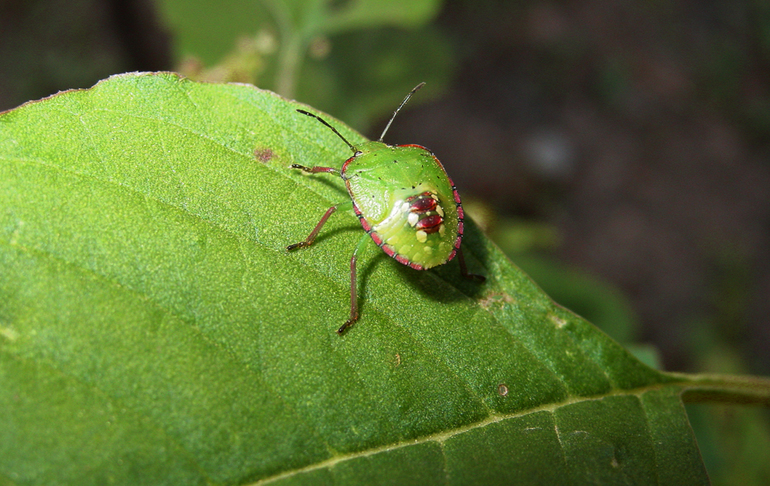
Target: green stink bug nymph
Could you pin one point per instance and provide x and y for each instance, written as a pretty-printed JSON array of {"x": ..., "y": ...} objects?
[{"x": 404, "y": 200}]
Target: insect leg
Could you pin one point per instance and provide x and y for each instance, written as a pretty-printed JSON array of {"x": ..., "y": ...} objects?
[
  {"x": 464, "y": 269},
  {"x": 311, "y": 237},
  {"x": 353, "y": 293},
  {"x": 313, "y": 170}
]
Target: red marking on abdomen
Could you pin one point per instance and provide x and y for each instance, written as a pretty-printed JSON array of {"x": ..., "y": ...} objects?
[
  {"x": 430, "y": 224},
  {"x": 423, "y": 204}
]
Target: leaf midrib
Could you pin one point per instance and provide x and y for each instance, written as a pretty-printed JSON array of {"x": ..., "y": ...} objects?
[{"x": 443, "y": 436}]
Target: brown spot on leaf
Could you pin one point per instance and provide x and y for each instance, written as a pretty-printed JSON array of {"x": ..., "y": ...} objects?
[
  {"x": 264, "y": 154},
  {"x": 496, "y": 299}
]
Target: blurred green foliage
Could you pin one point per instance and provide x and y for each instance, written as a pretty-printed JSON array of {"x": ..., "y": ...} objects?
[{"x": 348, "y": 58}]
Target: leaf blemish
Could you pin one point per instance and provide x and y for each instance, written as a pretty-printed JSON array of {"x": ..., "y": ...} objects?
[
  {"x": 502, "y": 389},
  {"x": 9, "y": 334},
  {"x": 16, "y": 231},
  {"x": 496, "y": 298},
  {"x": 263, "y": 154},
  {"x": 557, "y": 320}
]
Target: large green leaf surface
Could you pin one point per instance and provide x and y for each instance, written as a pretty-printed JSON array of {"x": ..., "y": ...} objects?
[{"x": 154, "y": 330}]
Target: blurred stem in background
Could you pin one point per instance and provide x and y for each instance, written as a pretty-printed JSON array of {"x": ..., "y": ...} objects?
[
  {"x": 294, "y": 44},
  {"x": 350, "y": 59}
]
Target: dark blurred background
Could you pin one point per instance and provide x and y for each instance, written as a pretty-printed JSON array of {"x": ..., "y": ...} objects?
[{"x": 618, "y": 151}]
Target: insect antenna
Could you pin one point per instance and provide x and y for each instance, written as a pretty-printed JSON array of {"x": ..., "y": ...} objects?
[
  {"x": 414, "y": 90},
  {"x": 331, "y": 127}
]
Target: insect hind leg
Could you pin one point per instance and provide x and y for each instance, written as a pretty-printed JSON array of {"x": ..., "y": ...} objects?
[{"x": 353, "y": 291}]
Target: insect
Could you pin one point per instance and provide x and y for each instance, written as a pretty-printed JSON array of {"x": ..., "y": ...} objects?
[{"x": 404, "y": 200}]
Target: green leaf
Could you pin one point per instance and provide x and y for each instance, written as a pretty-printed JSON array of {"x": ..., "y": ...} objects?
[{"x": 153, "y": 329}]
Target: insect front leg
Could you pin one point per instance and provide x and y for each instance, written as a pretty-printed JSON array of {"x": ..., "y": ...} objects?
[
  {"x": 311, "y": 237},
  {"x": 353, "y": 293},
  {"x": 316, "y": 169}
]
